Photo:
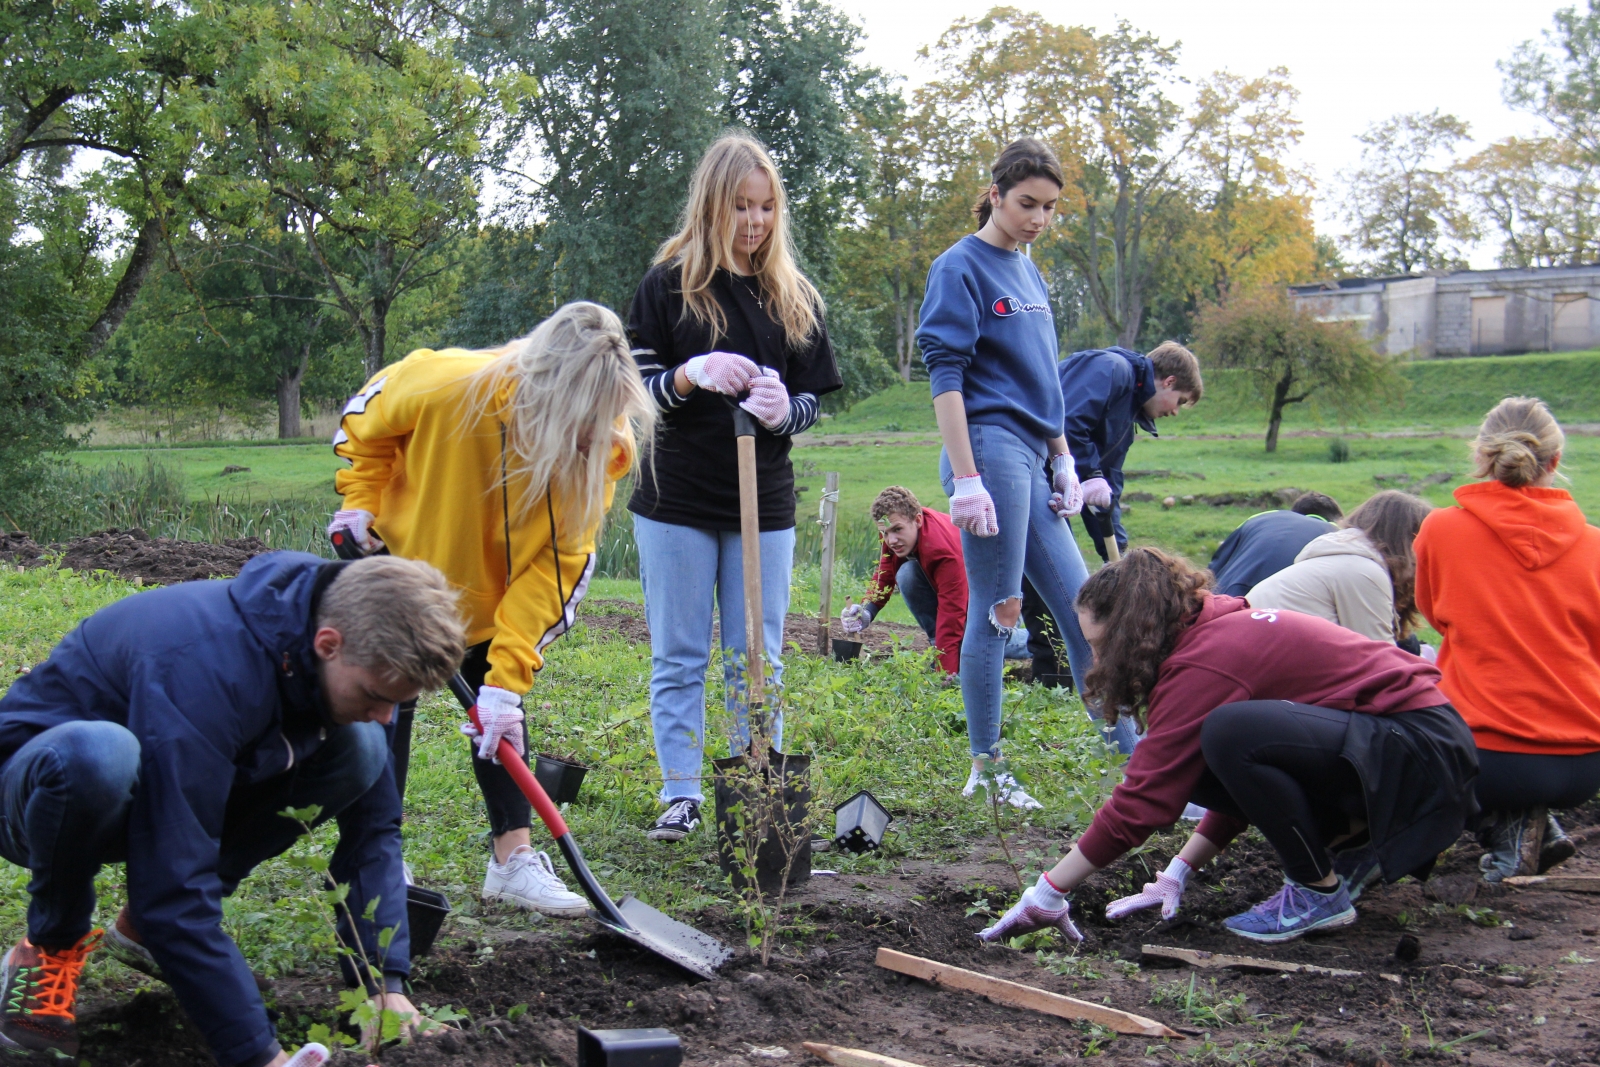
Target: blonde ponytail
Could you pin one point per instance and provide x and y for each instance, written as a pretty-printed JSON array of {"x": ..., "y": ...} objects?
[{"x": 1517, "y": 441}]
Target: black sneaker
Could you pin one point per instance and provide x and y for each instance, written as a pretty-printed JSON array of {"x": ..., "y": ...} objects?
[
  {"x": 1358, "y": 868},
  {"x": 678, "y": 821},
  {"x": 1557, "y": 848}
]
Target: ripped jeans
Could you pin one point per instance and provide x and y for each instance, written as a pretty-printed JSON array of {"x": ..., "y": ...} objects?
[{"x": 1032, "y": 540}]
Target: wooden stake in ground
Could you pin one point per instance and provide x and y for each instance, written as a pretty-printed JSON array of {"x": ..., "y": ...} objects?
[
  {"x": 1017, "y": 995},
  {"x": 1572, "y": 883},
  {"x": 854, "y": 1057},
  {"x": 1207, "y": 960},
  {"x": 830, "y": 507}
]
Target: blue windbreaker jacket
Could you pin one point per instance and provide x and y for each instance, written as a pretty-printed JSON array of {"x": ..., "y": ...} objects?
[
  {"x": 218, "y": 682},
  {"x": 1105, "y": 390}
]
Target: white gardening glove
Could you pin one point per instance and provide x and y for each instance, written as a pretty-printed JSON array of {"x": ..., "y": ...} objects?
[
  {"x": 1042, "y": 906},
  {"x": 856, "y": 617},
  {"x": 359, "y": 523},
  {"x": 1166, "y": 890},
  {"x": 1068, "y": 496},
  {"x": 721, "y": 372},
  {"x": 311, "y": 1054},
  {"x": 972, "y": 508},
  {"x": 500, "y": 712},
  {"x": 1429, "y": 653},
  {"x": 1097, "y": 493},
  {"x": 768, "y": 400}
]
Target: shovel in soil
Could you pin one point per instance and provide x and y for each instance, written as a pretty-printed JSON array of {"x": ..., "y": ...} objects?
[{"x": 633, "y": 919}]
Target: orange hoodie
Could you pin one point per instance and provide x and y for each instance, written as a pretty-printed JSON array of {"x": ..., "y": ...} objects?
[{"x": 1511, "y": 580}]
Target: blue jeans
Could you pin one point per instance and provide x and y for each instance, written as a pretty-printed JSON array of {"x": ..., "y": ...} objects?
[
  {"x": 1033, "y": 540},
  {"x": 65, "y": 797},
  {"x": 923, "y": 603},
  {"x": 684, "y": 570}
]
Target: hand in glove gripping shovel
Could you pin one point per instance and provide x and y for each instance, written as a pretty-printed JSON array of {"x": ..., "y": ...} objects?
[
  {"x": 500, "y": 713},
  {"x": 1042, "y": 907}
]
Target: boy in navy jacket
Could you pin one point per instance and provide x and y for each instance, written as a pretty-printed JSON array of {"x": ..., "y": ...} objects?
[
  {"x": 168, "y": 731},
  {"x": 1109, "y": 392}
]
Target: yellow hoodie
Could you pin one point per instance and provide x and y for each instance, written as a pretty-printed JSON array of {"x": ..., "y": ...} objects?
[{"x": 430, "y": 470}]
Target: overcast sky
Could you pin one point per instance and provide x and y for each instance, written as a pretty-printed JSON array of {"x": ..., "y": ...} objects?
[{"x": 1354, "y": 63}]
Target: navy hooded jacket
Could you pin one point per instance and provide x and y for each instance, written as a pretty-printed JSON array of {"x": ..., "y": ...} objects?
[
  {"x": 218, "y": 682},
  {"x": 1261, "y": 546},
  {"x": 1105, "y": 390}
]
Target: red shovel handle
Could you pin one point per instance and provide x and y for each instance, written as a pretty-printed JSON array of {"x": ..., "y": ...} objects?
[{"x": 514, "y": 765}]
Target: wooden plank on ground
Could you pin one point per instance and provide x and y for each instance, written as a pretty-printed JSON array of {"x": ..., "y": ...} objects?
[
  {"x": 854, "y": 1057},
  {"x": 1199, "y": 958},
  {"x": 1017, "y": 995},
  {"x": 1572, "y": 883}
]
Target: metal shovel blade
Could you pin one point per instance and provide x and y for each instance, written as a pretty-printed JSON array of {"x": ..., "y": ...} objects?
[{"x": 668, "y": 938}]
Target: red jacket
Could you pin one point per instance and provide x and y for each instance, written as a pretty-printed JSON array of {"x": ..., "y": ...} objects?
[
  {"x": 1232, "y": 653},
  {"x": 939, "y": 551},
  {"x": 1511, "y": 580}
]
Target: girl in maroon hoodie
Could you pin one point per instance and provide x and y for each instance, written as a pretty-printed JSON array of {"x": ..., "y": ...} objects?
[{"x": 1320, "y": 737}]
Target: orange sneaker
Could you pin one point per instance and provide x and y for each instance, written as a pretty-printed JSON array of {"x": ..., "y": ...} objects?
[{"x": 40, "y": 992}]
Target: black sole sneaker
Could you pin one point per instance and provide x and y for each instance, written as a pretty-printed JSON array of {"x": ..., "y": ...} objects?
[{"x": 677, "y": 822}]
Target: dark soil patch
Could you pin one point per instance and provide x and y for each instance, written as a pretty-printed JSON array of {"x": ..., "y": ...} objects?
[
  {"x": 625, "y": 618},
  {"x": 1522, "y": 1001},
  {"x": 134, "y": 554}
]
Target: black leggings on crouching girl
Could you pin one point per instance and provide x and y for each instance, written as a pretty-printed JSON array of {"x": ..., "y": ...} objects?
[
  {"x": 1514, "y": 781},
  {"x": 1302, "y": 774}
]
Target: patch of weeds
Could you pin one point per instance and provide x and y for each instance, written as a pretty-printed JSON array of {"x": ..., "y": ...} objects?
[
  {"x": 1484, "y": 917},
  {"x": 1574, "y": 957},
  {"x": 1201, "y": 1003}
]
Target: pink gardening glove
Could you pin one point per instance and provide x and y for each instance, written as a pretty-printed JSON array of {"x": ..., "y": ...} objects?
[
  {"x": 768, "y": 400},
  {"x": 1068, "y": 496},
  {"x": 359, "y": 523},
  {"x": 1168, "y": 892},
  {"x": 972, "y": 508},
  {"x": 721, "y": 372},
  {"x": 1042, "y": 906},
  {"x": 500, "y": 712},
  {"x": 1097, "y": 493},
  {"x": 310, "y": 1055}
]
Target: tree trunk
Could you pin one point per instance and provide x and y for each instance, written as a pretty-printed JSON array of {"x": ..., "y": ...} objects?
[
  {"x": 902, "y": 350},
  {"x": 1280, "y": 397},
  {"x": 288, "y": 389},
  {"x": 140, "y": 260}
]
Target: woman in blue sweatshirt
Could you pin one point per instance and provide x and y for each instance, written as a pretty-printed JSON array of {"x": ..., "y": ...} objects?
[{"x": 989, "y": 341}]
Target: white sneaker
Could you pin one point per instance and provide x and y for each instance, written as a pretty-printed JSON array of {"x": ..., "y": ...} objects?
[
  {"x": 528, "y": 880},
  {"x": 1011, "y": 791},
  {"x": 972, "y": 783}
]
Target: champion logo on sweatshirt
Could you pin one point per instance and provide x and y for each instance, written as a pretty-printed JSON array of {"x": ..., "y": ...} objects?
[{"x": 1008, "y": 306}]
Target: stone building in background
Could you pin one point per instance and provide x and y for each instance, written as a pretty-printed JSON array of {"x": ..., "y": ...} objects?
[{"x": 1466, "y": 312}]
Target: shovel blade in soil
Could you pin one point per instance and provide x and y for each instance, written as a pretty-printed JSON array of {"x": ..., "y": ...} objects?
[{"x": 668, "y": 938}]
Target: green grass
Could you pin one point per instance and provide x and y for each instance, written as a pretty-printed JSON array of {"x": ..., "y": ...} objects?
[{"x": 303, "y": 471}]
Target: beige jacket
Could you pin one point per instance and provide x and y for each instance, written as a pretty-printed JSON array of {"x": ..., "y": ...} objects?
[{"x": 1340, "y": 577}]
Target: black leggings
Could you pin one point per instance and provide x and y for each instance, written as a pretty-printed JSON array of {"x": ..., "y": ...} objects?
[
  {"x": 1278, "y": 766},
  {"x": 508, "y": 808},
  {"x": 1512, "y": 781}
]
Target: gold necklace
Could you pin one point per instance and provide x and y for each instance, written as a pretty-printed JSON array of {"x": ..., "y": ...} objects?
[{"x": 755, "y": 292}]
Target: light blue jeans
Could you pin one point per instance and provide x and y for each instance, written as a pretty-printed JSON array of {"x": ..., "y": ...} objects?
[
  {"x": 1033, "y": 540},
  {"x": 923, "y": 602},
  {"x": 684, "y": 570}
]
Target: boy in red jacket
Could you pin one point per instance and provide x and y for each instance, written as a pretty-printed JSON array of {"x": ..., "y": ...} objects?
[{"x": 922, "y": 558}]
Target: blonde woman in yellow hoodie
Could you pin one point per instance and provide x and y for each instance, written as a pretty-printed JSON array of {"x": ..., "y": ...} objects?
[{"x": 497, "y": 467}]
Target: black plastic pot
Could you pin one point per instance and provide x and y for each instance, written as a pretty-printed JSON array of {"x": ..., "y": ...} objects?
[
  {"x": 740, "y": 788},
  {"x": 425, "y": 913},
  {"x": 846, "y": 650},
  {"x": 859, "y": 823},
  {"x": 559, "y": 778},
  {"x": 645, "y": 1047}
]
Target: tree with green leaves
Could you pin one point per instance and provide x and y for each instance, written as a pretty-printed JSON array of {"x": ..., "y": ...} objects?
[
  {"x": 1406, "y": 202},
  {"x": 1291, "y": 358}
]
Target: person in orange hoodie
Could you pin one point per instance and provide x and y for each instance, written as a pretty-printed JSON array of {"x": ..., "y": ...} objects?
[{"x": 1511, "y": 580}]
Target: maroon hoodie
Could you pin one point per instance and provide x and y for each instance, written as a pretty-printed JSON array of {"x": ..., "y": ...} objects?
[
  {"x": 939, "y": 552},
  {"x": 1232, "y": 653}
]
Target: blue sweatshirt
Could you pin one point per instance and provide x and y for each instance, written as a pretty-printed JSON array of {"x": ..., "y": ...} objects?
[
  {"x": 987, "y": 333},
  {"x": 218, "y": 681}
]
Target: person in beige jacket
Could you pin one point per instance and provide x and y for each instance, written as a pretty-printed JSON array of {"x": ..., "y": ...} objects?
[{"x": 1362, "y": 576}]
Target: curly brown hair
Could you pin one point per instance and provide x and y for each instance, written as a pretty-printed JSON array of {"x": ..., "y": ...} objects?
[
  {"x": 896, "y": 500},
  {"x": 1144, "y": 601},
  {"x": 1390, "y": 520}
]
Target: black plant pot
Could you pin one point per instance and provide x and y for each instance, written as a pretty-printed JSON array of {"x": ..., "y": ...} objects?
[
  {"x": 739, "y": 788},
  {"x": 860, "y": 822},
  {"x": 559, "y": 778},
  {"x": 425, "y": 913},
  {"x": 653, "y": 1047},
  {"x": 846, "y": 650}
]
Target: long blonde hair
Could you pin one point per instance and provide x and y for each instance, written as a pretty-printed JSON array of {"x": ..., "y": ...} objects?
[
  {"x": 706, "y": 231},
  {"x": 571, "y": 378},
  {"x": 1518, "y": 439}
]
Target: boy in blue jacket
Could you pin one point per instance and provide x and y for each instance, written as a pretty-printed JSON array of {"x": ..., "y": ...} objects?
[
  {"x": 1109, "y": 392},
  {"x": 168, "y": 731}
]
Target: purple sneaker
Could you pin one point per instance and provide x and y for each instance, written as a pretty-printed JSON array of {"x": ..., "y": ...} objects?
[{"x": 1292, "y": 911}]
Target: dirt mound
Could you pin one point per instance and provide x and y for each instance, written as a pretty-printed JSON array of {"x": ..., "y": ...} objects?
[
  {"x": 625, "y": 618},
  {"x": 134, "y": 554}
]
